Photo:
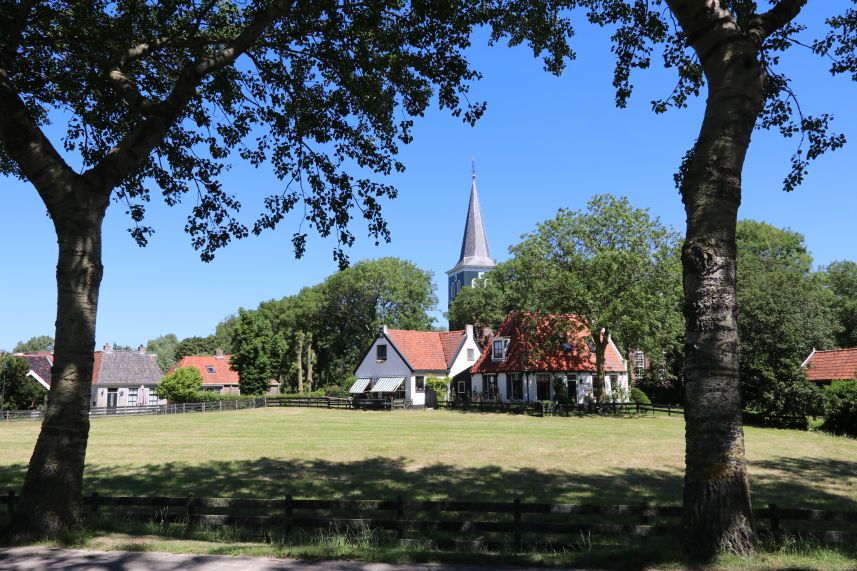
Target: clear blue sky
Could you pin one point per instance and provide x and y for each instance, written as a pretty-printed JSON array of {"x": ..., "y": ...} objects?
[{"x": 544, "y": 143}]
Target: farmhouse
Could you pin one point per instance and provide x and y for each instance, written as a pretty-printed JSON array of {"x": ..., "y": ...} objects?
[
  {"x": 125, "y": 378},
  {"x": 825, "y": 367},
  {"x": 529, "y": 352},
  {"x": 218, "y": 376},
  {"x": 399, "y": 361}
]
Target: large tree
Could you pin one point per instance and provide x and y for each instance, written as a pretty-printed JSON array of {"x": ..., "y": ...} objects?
[
  {"x": 165, "y": 95},
  {"x": 164, "y": 348},
  {"x": 258, "y": 351},
  {"x": 841, "y": 278},
  {"x": 613, "y": 266},
  {"x": 784, "y": 312}
]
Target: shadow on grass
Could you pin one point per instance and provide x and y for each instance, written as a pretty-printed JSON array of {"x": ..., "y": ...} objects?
[{"x": 789, "y": 482}]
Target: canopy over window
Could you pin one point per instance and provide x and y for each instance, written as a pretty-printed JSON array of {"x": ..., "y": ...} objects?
[
  {"x": 388, "y": 384},
  {"x": 359, "y": 386}
]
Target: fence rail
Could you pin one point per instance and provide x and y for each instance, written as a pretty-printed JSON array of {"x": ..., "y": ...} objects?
[
  {"x": 99, "y": 412},
  {"x": 446, "y": 522}
]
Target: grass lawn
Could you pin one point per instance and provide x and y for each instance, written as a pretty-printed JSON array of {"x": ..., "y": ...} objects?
[{"x": 435, "y": 455}]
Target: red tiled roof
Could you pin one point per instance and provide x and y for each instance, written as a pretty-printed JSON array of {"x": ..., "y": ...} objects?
[
  {"x": 835, "y": 365},
  {"x": 426, "y": 350},
  {"x": 96, "y": 367},
  {"x": 530, "y": 346},
  {"x": 223, "y": 373}
]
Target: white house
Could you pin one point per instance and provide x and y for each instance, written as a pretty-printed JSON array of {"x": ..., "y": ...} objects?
[
  {"x": 400, "y": 360},
  {"x": 529, "y": 352}
]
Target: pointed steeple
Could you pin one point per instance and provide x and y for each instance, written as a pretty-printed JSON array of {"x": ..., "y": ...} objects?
[{"x": 474, "y": 245}]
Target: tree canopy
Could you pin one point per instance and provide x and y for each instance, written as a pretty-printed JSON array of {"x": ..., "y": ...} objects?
[
  {"x": 182, "y": 385},
  {"x": 35, "y": 345},
  {"x": 258, "y": 352}
]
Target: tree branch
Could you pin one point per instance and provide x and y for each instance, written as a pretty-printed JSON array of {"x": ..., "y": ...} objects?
[
  {"x": 122, "y": 159},
  {"x": 30, "y": 148},
  {"x": 764, "y": 25}
]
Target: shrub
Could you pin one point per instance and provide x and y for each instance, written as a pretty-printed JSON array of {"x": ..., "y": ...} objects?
[
  {"x": 840, "y": 408},
  {"x": 638, "y": 396},
  {"x": 182, "y": 385},
  {"x": 440, "y": 385}
]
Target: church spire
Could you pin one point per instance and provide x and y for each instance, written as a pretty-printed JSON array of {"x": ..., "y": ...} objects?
[{"x": 474, "y": 245}]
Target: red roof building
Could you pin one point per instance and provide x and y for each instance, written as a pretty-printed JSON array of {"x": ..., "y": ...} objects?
[
  {"x": 217, "y": 373},
  {"x": 833, "y": 365},
  {"x": 530, "y": 352}
]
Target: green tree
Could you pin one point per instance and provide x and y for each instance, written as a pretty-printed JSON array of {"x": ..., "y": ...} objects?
[
  {"x": 182, "y": 385},
  {"x": 613, "y": 266},
  {"x": 484, "y": 306},
  {"x": 166, "y": 96},
  {"x": 841, "y": 278},
  {"x": 196, "y": 346},
  {"x": 258, "y": 351},
  {"x": 785, "y": 312},
  {"x": 19, "y": 391},
  {"x": 164, "y": 347},
  {"x": 357, "y": 301},
  {"x": 35, "y": 345}
]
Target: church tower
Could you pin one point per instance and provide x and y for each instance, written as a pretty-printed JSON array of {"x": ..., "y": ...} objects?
[{"x": 475, "y": 259}]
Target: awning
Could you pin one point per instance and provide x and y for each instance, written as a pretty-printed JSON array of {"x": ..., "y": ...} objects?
[
  {"x": 388, "y": 384},
  {"x": 359, "y": 386}
]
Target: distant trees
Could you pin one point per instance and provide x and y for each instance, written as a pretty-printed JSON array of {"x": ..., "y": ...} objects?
[
  {"x": 182, "y": 385},
  {"x": 19, "y": 391},
  {"x": 35, "y": 345},
  {"x": 784, "y": 311},
  {"x": 258, "y": 352},
  {"x": 164, "y": 348},
  {"x": 196, "y": 346},
  {"x": 841, "y": 278}
]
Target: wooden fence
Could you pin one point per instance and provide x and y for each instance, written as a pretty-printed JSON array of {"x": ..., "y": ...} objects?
[
  {"x": 99, "y": 412},
  {"x": 541, "y": 408},
  {"x": 443, "y": 523}
]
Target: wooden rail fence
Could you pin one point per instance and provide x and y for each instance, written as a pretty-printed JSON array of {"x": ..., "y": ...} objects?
[{"x": 450, "y": 522}]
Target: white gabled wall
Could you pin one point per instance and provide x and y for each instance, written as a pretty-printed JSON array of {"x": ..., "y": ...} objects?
[
  {"x": 461, "y": 362},
  {"x": 393, "y": 366}
]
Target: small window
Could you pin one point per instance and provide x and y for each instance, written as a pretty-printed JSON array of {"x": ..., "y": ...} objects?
[
  {"x": 153, "y": 397},
  {"x": 471, "y": 355},
  {"x": 381, "y": 352},
  {"x": 498, "y": 349},
  {"x": 421, "y": 384},
  {"x": 461, "y": 387},
  {"x": 210, "y": 369},
  {"x": 132, "y": 397}
]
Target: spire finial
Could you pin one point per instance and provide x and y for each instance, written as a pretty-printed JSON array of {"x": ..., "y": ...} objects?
[{"x": 473, "y": 166}]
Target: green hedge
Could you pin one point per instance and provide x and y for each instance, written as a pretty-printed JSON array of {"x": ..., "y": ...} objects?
[{"x": 840, "y": 408}]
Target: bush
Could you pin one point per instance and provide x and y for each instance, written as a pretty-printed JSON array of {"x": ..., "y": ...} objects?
[
  {"x": 840, "y": 408},
  {"x": 440, "y": 385},
  {"x": 182, "y": 385},
  {"x": 638, "y": 396}
]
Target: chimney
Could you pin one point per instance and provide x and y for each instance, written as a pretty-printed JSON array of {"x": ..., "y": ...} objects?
[
  {"x": 142, "y": 349},
  {"x": 218, "y": 353},
  {"x": 383, "y": 330},
  {"x": 468, "y": 331},
  {"x": 108, "y": 348}
]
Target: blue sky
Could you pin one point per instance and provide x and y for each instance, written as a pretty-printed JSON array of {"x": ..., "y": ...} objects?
[{"x": 544, "y": 143}]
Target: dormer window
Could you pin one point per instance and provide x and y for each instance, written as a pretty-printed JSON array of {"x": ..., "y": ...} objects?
[
  {"x": 498, "y": 349},
  {"x": 380, "y": 352}
]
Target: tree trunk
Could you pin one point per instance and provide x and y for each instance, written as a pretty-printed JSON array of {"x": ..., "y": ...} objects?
[
  {"x": 51, "y": 499},
  {"x": 717, "y": 512},
  {"x": 598, "y": 384},
  {"x": 299, "y": 357},
  {"x": 309, "y": 363}
]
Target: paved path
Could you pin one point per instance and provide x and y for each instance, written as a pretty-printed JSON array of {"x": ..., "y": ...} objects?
[{"x": 48, "y": 559}]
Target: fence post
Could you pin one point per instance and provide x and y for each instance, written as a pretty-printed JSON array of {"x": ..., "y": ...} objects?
[
  {"x": 289, "y": 514},
  {"x": 190, "y": 512},
  {"x": 400, "y": 516},
  {"x": 203, "y": 406},
  {"x": 94, "y": 501},
  {"x": 220, "y": 402},
  {"x": 517, "y": 520},
  {"x": 774, "y": 516}
]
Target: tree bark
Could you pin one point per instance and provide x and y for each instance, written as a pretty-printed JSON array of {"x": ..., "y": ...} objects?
[
  {"x": 51, "y": 499},
  {"x": 717, "y": 511}
]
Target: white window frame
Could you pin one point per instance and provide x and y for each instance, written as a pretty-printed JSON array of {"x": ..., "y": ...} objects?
[{"x": 505, "y": 342}]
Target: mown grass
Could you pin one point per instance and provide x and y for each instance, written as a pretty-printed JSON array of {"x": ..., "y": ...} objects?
[{"x": 439, "y": 455}]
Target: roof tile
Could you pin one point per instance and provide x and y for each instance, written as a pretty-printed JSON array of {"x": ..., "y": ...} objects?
[
  {"x": 426, "y": 350},
  {"x": 837, "y": 364}
]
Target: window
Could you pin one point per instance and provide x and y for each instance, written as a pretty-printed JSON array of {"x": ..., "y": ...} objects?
[
  {"x": 543, "y": 386},
  {"x": 571, "y": 387},
  {"x": 381, "y": 353},
  {"x": 132, "y": 397},
  {"x": 514, "y": 386},
  {"x": 639, "y": 364},
  {"x": 498, "y": 349},
  {"x": 491, "y": 388},
  {"x": 210, "y": 369},
  {"x": 471, "y": 355},
  {"x": 461, "y": 387},
  {"x": 614, "y": 382},
  {"x": 153, "y": 396},
  {"x": 421, "y": 384}
]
